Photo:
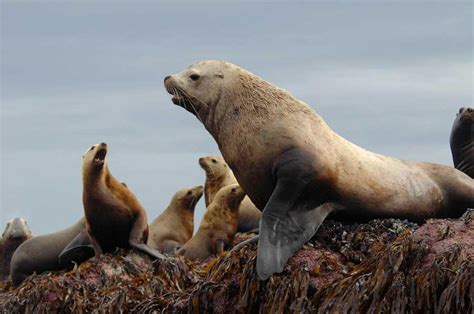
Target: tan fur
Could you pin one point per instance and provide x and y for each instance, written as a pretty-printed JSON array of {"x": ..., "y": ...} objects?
[
  {"x": 218, "y": 175},
  {"x": 16, "y": 232},
  {"x": 114, "y": 216},
  {"x": 219, "y": 224},
  {"x": 231, "y": 101},
  {"x": 175, "y": 226}
]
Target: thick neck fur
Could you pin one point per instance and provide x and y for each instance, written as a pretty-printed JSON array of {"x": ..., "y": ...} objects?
[{"x": 250, "y": 105}]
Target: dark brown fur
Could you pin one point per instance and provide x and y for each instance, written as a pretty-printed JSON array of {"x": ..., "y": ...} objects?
[{"x": 114, "y": 216}]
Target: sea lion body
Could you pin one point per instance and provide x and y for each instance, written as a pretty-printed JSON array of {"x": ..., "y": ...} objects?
[
  {"x": 218, "y": 226},
  {"x": 462, "y": 141},
  {"x": 16, "y": 232},
  {"x": 41, "y": 253},
  {"x": 114, "y": 216},
  {"x": 218, "y": 175},
  {"x": 297, "y": 170},
  {"x": 175, "y": 226}
]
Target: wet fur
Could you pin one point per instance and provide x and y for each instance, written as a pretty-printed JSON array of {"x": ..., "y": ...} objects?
[
  {"x": 462, "y": 141},
  {"x": 41, "y": 253}
]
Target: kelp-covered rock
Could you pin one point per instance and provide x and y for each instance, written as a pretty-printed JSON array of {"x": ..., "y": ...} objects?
[{"x": 380, "y": 266}]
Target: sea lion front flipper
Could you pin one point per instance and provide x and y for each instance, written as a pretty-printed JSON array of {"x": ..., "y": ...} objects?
[
  {"x": 282, "y": 235},
  {"x": 288, "y": 221},
  {"x": 78, "y": 250}
]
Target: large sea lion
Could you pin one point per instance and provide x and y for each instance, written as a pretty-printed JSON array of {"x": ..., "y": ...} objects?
[
  {"x": 16, "y": 232},
  {"x": 218, "y": 175},
  {"x": 41, "y": 253},
  {"x": 175, "y": 226},
  {"x": 114, "y": 216},
  {"x": 462, "y": 141},
  {"x": 296, "y": 169},
  {"x": 218, "y": 226}
]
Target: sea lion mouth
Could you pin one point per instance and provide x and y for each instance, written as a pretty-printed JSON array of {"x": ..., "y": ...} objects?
[
  {"x": 99, "y": 158},
  {"x": 181, "y": 98}
]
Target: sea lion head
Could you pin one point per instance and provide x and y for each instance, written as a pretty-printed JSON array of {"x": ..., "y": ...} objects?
[
  {"x": 17, "y": 230},
  {"x": 231, "y": 195},
  {"x": 201, "y": 87},
  {"x": 94, "y": 159},
  {"x": 188, "y": 198},
  {"x": 466, "y": 115},
  {"x": 214, "y": 166},
  {"x": 463, "y": 126}
]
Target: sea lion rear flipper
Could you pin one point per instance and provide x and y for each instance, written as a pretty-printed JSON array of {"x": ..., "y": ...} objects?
[
  {"x": 148, "y": 250},
  {"x": 244, "y": 243},
  {"x": 78, "y": 250}
]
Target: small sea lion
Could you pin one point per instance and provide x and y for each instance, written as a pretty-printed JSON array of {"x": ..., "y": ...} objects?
[
  {"x": 175, "y": 226},
  {"x": 41, "y": 253},
  {"x": 218, "y": 175},
  {"x": 114, "y": 216},
  {"x": 16, "y": 232},
  {"x": 462, "y": 141},
  {"x": 218, "y": 226},
  {"x": 296, "y": 169}
]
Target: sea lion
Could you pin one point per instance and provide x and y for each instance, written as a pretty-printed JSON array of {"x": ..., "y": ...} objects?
[
  {"x": 175, "y": 226},
  {"x": 218, "y": 175},
  {"x": 16, "y": 232},
  {"x": 114, "y": 216},
  {"x": 41, "y": 253},
  {"x": 218, "y": 226},
  {"x": 296, "y": 169},
  {"x": 462, "y": 141}
]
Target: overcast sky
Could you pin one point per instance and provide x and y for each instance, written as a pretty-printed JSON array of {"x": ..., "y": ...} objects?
[{"x": 389, "y": 77}]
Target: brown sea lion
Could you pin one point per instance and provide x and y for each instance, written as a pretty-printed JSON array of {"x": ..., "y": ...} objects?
[
  {"x": 218, "y": 226},
  {"x": 41, "y": 253},
  {"x": 462, "y": 141},
  {"x": 16, "y": 232},
  {"x": 114, "y": 216},
  {"x": 175, "y": 226},
  {"x": 296, "y": 169},
  {"x": 218, "y": 175}
]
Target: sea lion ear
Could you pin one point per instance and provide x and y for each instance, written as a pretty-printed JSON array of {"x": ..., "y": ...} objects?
[{"x": 220, "y": 74}]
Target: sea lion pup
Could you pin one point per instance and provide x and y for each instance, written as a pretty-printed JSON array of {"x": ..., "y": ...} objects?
[
  {"x": 462, "y": 141},
  {"x": 218, "y": 226},
  {"x": 41, "y": 253},
  {"x": 114, "y": 217},
  {"x": 218, "y": 175},
  {"x": 297, "y": 170},
  {"x": 16, "y": 232},
  {"x": 175, "y": 226}
]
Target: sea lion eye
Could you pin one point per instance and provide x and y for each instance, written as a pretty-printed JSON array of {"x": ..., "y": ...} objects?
[
  {"x": 189, "y": 193},
  {"x": 194, "y": 77},
  {"x": 214, "y": 161}
]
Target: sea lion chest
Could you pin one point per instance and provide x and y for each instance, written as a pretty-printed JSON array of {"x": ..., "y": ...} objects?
[{"x": 109, "y": 219}]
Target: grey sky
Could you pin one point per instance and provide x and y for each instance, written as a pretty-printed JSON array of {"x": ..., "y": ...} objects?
[{"x": 389, "y": 77}]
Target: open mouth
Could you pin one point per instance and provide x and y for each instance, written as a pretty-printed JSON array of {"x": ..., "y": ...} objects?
[{"x": 99, "y": 158}]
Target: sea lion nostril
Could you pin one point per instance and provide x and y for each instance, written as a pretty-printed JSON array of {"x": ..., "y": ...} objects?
[{"x": 167, "y": 77}]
